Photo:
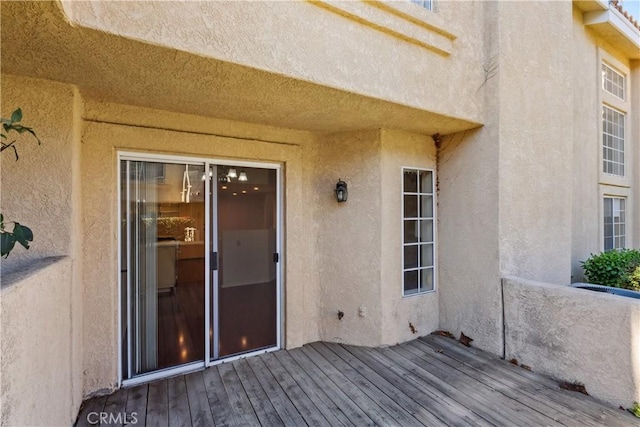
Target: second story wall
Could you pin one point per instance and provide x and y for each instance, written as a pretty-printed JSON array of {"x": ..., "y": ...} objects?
[{"x": 395, "y": 51}]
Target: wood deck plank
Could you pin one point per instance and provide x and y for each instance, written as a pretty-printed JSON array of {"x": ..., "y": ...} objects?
[
  {"x": 279, "y": 399},
  {"x": 404, "y": 409},
  {"x": 446, "y": 409},
  {"x": 328, "y": 408},
  {"x": 136, "y": 409},
  {"x": 526, "y": 394},
  {"x": 243, "y": 411},
  {"x": 179, "y": 413},
  {"x": 351, "y": 410},
  {"x": 157, "y": 404},
  {"x": 493, "y": 366},
  {"x": 116, "y": 405},
  {"x": 356, "y": 394},
  {"x": 266, "y": 413},
  {"x": 198, "y": 403},
  {"x": 218, "y": 399},
  {"x": 480, "y": 406},
  {"x": 430, "y": 381},
  {"x": 516, "y": 411},
  {"x": 311, "y": 414},
  {"x": 90, "y": 406}
]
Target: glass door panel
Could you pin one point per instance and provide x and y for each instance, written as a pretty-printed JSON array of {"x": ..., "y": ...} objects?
[
  {"x": 163, "y": 260},
  {"x": 246, "y": 289}
]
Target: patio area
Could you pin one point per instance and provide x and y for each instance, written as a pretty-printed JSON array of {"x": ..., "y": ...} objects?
[{"x": 430, "y": 381}]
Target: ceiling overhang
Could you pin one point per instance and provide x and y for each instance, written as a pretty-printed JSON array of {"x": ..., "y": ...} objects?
[{"x": 38, "y": 41}]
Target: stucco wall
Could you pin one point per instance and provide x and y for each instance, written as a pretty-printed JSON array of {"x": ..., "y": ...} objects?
[
  {"x": 536, "y": 134},
  {"x": 468, "y": 205},
  {"x": 42, "y": 189},
  {"x": 37, "y": 367},
  {"x": 277, "y": 37},
  {"x": 147, "y": 130},
  {"x": 348, "y": 236},
  {"x": 37, "y": 188},
  {"x": 589, "y": 183},
  {"x": 401, "y": 149},
  {"x": 575, "y": 335}
]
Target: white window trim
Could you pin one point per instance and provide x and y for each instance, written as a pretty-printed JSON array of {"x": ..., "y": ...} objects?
[
  {"x": 435, "y": 233},
  {"x": 623, "y": 106},
  {"x": 617, "y": 192}
]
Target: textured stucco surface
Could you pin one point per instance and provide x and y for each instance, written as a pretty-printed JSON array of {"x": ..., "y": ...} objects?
[
  {"x": 35, "y": 327},
  {"x": 575, "y": 335},
  {"x": 277, "y": 37},
  {"x": 535, "y": 134},
  {"x": 37, "y": 187},
  {"x": 348, "y": 238},
  {"x": 101, "y": 141},
  {"x": 401, "y": 149},
  {"x": 42, "y": 189},
  {"x": 155, "y": 75}
]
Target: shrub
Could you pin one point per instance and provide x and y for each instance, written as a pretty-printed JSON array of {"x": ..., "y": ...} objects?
[
  {"x": 613, "y": 268},
  {"x": 633, "y": 282}
]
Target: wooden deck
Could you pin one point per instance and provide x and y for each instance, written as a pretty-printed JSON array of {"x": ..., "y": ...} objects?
[{"x": 430, "y": 381}]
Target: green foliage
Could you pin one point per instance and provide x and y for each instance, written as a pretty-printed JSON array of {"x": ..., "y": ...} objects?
[
  {"x": 19, "y": 233},
  {"x": 633, "y": 280},
  {"x": 635, "y": 409},
  {"x": 613, "y": 268},
  {"x": 13, "y": 125}
]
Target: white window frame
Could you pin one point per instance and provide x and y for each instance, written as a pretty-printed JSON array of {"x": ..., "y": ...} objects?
[
  {"x": 605, "y": 69},
  {"x": 612, "y": 137},
  {"x": 622, "y": 106},
  {"x": 625, "y": 223},
  {"x": 427, "y": 4},
  {"x": 434, "y": 220}
]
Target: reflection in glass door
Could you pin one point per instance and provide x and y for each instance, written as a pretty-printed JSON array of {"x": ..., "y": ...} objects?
[
  {"x": 199, "y": 252},
  {"x": 163, "y": 268},
  {"x": 245, "y": 221}
]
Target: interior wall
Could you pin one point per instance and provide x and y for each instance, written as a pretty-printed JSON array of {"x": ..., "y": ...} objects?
[
  {"x": 194, "y": 136},
  {"x": 403, "y": 318}
]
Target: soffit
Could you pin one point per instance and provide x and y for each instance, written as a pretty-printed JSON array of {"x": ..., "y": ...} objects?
[{"x": 37, "y": 41}]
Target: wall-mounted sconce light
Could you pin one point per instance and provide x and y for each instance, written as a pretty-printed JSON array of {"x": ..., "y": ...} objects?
[
  {"x": 243, "y": 176},
  {"x": 341, "y": 191}
]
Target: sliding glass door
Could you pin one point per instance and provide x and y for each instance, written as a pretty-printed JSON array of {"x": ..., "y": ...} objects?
[{"x": 199, "y": 252}]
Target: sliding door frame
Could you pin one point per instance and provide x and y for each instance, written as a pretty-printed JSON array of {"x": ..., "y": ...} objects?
[{"x": 211, "y": 277}]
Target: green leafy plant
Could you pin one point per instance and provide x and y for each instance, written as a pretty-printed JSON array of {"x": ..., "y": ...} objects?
[
  {"x": 612, "y": 268},
  {"x": 635, "y": 409},
  {"x": 633, "y": 280},
  {"x": 18, "y": 233}
]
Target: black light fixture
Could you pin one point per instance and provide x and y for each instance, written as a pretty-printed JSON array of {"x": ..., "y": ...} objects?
[{"x": 341, "y": 191}]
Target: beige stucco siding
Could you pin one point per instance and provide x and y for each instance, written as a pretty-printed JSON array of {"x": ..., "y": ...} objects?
[
  {"x": 575, "y": 335},
  {"x": 335, "y": 51},
  {"x": 402, "y": 149},
  {"x": 535, "y": 139}
]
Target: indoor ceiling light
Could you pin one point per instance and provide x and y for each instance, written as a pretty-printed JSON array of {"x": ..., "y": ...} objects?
[
  {"x": 243, "y": 176},
  {"x": 232, "y": 173}
]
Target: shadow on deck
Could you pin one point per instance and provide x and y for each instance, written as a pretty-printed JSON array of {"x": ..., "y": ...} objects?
[{"x": 429, "y": 381}]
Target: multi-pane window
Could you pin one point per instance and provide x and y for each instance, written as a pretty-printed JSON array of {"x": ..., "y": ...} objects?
[
  {"x": 614, "y": 223},
  {"x": 418, "y": 240},
  {"x": 612, "y": 141},
  {"x": 427, "y": 4},
  {"x": 612, "y": 81}
]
